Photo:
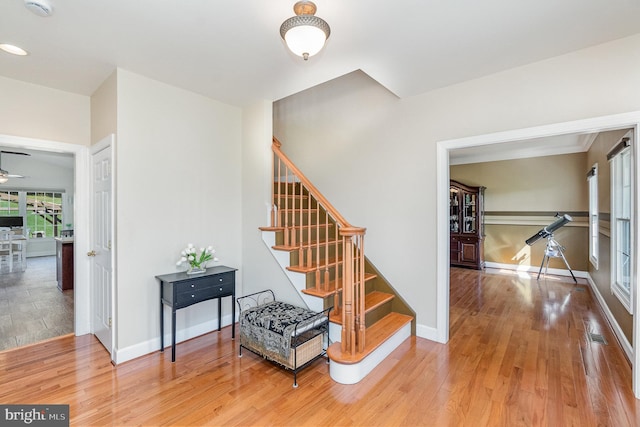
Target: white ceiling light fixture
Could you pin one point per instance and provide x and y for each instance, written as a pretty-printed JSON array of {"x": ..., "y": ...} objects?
[
  {"x": 13, "y": 49},
  {"x": 39, "y": 7},
  {"x": 305, "y": 34}
]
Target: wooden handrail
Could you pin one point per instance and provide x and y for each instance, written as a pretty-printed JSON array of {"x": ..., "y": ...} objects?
[
  {"x": 347, "y": 241},
  {"x": 310, "y": 187}
]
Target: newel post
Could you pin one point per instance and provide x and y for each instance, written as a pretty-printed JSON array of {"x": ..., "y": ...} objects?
[{"x": 353, "y": 327}]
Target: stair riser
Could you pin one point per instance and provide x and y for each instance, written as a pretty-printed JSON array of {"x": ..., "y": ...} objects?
[
  {"x": 303, "y": 233},
  {"x": 378, "y": 313},
  {"x": 354, "y": 373},
  {"x": 289, "y": 187},
  {"x": 290, "y": 218},
  {"x": 295, "y": 258},
  {"x": 293, "y": 219},
  {"x": 372, "y": 315},
  {"x": 290, "y": 202}
]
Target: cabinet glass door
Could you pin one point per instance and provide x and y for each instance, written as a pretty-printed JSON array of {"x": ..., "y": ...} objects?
[
  {"x": 469, "y": 214},
  {"x": 454, "y": 211}
]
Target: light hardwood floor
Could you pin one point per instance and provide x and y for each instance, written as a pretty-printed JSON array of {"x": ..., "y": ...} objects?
[{"x": 518, "y": 356}]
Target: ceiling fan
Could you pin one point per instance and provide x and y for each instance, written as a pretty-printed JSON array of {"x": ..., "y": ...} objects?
[{"x": 4, "y": 175}]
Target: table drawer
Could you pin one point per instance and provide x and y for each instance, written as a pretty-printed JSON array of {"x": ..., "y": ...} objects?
[
  {"x": 202, "y": 293},
  {"x": 224, "y": 289},
  {"x": 186, "y": 298},
  {"x": 224, "y": 278},
  {"x": 194, "y": 285}
]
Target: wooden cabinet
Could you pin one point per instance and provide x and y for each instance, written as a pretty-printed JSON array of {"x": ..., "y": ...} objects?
[
  {"x": 466, "y": 225},
  {"x": 64, "y": 263}
]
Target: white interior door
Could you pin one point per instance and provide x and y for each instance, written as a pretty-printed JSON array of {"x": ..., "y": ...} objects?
[{"x": 101, "y": 246}]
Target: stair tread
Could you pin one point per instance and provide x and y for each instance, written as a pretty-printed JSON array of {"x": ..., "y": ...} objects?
[
  {"x": 375, "y": 336},
  {"x": 372, "y": 300},
  {"x": 331, "y": 287},
  {"x": 271, "y": 228}
]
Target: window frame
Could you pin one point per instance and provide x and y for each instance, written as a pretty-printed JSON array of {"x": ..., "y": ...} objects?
[
  {"x": 594, "y": 217},
  {"x": 622, "y": 226}
]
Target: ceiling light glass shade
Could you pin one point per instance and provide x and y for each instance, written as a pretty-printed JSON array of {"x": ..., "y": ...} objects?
[
  {"x": 305, "y": 34},
  {"x": 3, "y": 179},
  {"x": 14, "y": 50}
]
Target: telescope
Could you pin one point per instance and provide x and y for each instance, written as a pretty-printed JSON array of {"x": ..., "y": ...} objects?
[
  {"x": 553, "y": 249},
  {"x": 549, "y": 229}
]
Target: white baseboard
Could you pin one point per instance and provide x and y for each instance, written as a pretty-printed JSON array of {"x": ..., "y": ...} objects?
[
  {"x": 150, "y": 346},
  {"x": 624, "y": 343},
  {"x": 429, "y": 333},
  {"x": 534, "y": 269}
]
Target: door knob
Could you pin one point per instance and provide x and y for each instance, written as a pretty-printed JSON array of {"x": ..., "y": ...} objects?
[{"x": 92, "y": 253}]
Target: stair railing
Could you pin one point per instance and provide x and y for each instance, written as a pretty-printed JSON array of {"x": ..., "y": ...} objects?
[{"x": 290, "y": 193}]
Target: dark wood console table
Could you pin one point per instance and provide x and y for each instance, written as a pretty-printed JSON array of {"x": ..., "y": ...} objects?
[{"x": 180, "y": 290}]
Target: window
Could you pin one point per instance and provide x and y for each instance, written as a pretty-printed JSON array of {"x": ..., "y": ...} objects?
[
  {"x": 41, "y": 209},
  {"x": 621, "y": 203},
  {"x": 44, "y": 214},
  {"x": 9, "y": 203},
  {"x": 592, "y": 179}
]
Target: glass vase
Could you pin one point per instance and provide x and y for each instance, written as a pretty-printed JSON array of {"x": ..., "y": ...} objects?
[{"x": 193, "y": 269}]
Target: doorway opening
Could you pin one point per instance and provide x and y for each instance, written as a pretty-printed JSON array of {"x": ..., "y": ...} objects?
[
  {"x": 51, "y": 156},
  {"x": 521, "y": 136}
]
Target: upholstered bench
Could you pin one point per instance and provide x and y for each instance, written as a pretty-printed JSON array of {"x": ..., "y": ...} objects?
[{"x": 291, "y": 336}]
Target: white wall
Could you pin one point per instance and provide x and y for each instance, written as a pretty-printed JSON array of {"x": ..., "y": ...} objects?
[
  {"x": 178, "y": 181},
  {"x": 374, "y": 155},
  {"x": 104, "y": 109},
  {"x": 260, "y": 270},
  {"x": 34, "y": 111}
]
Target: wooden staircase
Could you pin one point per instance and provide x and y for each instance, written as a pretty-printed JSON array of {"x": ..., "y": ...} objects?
[{"x": 323, "y": 255}]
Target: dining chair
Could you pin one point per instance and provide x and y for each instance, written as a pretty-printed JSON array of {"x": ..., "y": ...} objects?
[
  {"x": 6, "y": 247},
  {"x": 19, "y": 246}
]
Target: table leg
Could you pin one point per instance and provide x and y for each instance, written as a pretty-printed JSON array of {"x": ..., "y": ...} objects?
[
  {"x": 233, "y": 316},
  {"x": 173, "y": 335},
  {"x": 161, "y": 326},
  {"x": 219, "y": 313}
]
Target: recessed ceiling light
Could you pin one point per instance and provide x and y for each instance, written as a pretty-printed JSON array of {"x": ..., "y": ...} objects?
[{"x": 14, "y": 50}]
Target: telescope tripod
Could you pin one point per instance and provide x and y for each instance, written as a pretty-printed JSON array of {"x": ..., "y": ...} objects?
[{"x": 554, "y": 250}]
